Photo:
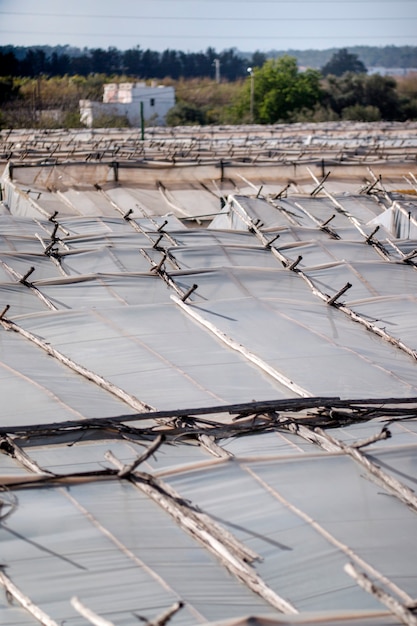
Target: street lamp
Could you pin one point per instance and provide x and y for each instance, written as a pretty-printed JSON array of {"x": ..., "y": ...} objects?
[{"x": 252, "y": 92}]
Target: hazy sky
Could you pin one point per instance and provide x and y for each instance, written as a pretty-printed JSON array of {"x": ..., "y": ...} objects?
[{"x": 193, "y": 25}]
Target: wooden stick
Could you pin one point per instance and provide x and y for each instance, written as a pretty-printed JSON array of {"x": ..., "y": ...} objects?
[
  {"x": 398, "y": 609},
  {"x": 20, "y": 455},
  {"x": 337, "y": 295},
  {"x": 188, "y": 293},
  {"x": 25, "y": 276},
  {"x": 294, "y": 264},
  {"x": 369, "y": 238},
  {"x": 89, "y": 615},
  {"x": 209, "y": 443},
  {"x": 384, "y": 434},
  {"x": 164, "y": 617},
  {"x": 4, "y": 311},
  {"x": 25, "y": 602},
  {"x": 128, "y": 469}
]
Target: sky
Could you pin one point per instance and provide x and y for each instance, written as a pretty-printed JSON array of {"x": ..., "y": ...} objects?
[{"x": 195, "y": 25}]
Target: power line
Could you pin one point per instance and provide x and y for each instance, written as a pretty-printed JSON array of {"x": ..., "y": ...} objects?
[
  {"x": 217, "y": 19},
  {"x": 223, "y": 2},
  {"x": 230, "y": 37}
]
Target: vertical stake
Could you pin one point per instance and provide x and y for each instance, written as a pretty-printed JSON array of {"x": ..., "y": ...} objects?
[
  {"x": 339, "y": 293},
  {"x": 323, "y": 224},
  {"x": 54, "y": 232},
  {"x": 369, "y": 237},
  {"x": 294, "y": 264},
  {"x": 189, "y": 292},
  {"x": 155, "y": 245},
  {"x": 271, "y": 241},
  {"x": 3, "y": 313},
  {"x": 24, "y": 278},
  {"x": 162, "y": 226}
]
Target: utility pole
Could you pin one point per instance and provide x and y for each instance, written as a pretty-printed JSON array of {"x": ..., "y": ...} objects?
[
  {"x": 252, "y": 92},
  {"x": 217, "y": 66}
]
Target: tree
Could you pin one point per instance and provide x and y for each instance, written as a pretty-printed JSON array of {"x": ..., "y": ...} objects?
[
  {"x": 132, "y": 61},
  {"x": 233, "y": 66},
  {"x": 82, "y": 64},
  {"x": 280, "y": 90},
  {"x": 8, "y": 90},
  {"x": 380, "y": 91},
  {"x": 34, "y": 63},
  {"x": 59, "y": 64},
  {"x": 344, "y": 91},
  {"x": 354, "y": 96},
  {"x": 106, "y": 61},
  {"x": 150, "y": 63},
  {"x": 258, "y": 59},
  {"x": 343, "y": 61},
  {"x": 8, "y": 64}
]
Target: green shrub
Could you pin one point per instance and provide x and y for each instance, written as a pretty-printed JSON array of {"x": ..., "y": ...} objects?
[{"x": 361, "y": 113}]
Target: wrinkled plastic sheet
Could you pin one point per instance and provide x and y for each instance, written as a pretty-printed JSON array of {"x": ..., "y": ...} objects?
[
  {"x": 136, "y": 349},
  {"x": 302, "y": 564},
  {"x": 83, "y": 543}
]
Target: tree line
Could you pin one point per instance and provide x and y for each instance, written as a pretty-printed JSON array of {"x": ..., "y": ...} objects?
[
  {"x": 62, "y": 60},
  {"x": 145, "y": 64}
]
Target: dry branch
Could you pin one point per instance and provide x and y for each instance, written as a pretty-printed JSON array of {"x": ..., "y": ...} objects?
[
  {"x": 247, "y": 417},
  {"x": 398, "y": 609},
  {"x": 89, "y": 615},
  {"x": 164, "y": 617},
  {"x": 128, "y": 469},
  {"x": 25, "y": 602}
]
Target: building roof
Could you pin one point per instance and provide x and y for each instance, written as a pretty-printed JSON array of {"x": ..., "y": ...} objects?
[{"x": 208, "y": 376}]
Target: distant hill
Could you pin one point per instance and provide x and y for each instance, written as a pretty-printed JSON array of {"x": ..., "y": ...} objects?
[
  {"x": 372, "y": 56},
  {"x": 21, "y": 51}
]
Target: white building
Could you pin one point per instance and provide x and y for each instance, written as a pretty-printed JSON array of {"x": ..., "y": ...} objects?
[{"x": 131, "y": 100}]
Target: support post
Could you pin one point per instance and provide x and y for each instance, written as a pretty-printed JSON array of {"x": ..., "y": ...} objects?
[{"x": 142, "y": 122}]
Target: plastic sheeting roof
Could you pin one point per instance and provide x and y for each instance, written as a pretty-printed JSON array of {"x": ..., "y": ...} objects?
[{"x": 213, "y": 416}]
